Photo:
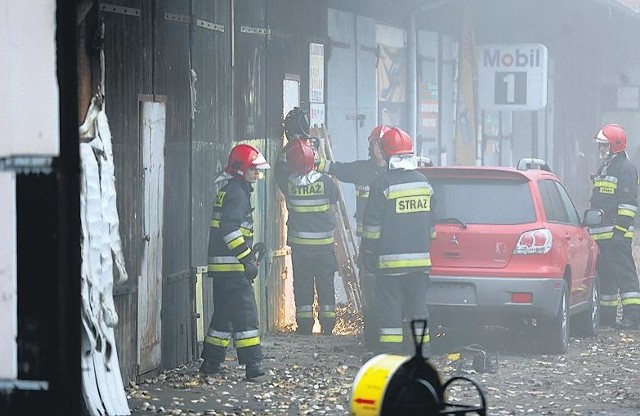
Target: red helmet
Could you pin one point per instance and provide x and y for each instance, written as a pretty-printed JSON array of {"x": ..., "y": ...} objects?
[
  {"x": 614, "y": 135},
  {"x": 396, "y": 142},
  {"x": 300, "y": 157},
  {"x": 378, "y": 132},
  {"x": 243, "y": 157}
]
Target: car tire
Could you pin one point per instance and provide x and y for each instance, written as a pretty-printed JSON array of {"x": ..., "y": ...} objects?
[
  {"x": 586, "y": 323},
  {"x": 554, "y": 333}
]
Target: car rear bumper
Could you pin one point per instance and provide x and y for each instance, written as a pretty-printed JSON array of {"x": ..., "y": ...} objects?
[{"x": 490, "y": 298}]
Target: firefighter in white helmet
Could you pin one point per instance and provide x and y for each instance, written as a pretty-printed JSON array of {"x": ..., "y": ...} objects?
[
  {"x": 615, "y": 191},
  {"x": 233, "y": 268}
]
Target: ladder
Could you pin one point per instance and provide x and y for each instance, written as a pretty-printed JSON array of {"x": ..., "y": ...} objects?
[{"x": 346, "y": 241}]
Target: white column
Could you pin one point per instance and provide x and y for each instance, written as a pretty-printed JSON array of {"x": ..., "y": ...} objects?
[{"x": 8, "y": 278}]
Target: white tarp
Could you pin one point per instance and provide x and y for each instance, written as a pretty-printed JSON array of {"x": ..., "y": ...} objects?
[{"x": 101, "y": 379}]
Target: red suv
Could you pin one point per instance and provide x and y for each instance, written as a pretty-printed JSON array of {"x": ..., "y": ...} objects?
[{"x": 510, "y": 248}]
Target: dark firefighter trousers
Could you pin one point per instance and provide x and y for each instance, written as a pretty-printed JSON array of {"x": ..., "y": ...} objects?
[
  {"x": 617, "y": 272},
  {"x": 313, "y": 271},
  {"x": 399, "y": 299},
  {"x": 235, "y": 314}
]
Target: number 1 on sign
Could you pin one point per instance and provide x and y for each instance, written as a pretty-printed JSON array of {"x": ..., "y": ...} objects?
[{"x": 510, "y": 81}]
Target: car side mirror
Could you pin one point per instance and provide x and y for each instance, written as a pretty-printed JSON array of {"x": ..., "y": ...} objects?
[{"x": 593, "y": 217}]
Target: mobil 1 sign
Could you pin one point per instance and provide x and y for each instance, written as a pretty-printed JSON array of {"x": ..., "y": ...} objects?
[{"x": 513, "y": 76}]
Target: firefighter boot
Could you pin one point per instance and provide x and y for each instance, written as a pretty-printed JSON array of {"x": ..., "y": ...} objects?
[
  {"x": 210, "y": 367},
  {"x": 327, "y": 325},
  {"x": 630, "y": 317},
  {"x": 254, "y": 370},
  {"x": 608, "y": 316},
  {"x": 305, "y": 326}
]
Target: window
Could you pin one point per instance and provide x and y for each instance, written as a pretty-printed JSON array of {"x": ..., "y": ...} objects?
[
  {"x": 483, "y": 201},
  {"x": 554, "y": 206},
  {"x": 574, "y": 218}
]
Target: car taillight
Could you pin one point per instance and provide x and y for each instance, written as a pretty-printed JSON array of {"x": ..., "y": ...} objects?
[
  {"x": 524, "y": 297},
  {"x": 534, "y": 242}
]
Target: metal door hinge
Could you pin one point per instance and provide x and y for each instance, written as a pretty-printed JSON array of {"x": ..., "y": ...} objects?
[
  {"x": 180, "y": 18},
  {"x": 254, "y": 30},
  {"x": 263, "y": 32},
  {"x": 209, "y": 25},
  {"x": 129, "y": 11}
]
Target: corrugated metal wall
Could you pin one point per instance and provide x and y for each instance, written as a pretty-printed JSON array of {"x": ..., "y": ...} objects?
[
  {"x": 222, "y": 82},
  {"x": 172, "y": 75},
  {"x": 125, "y": 78}
]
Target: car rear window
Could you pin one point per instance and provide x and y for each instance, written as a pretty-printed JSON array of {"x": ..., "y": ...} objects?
[{"x": 483, "y": 201}]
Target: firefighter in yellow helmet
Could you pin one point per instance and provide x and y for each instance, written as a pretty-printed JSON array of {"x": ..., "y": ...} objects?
[
  {"x": 396, "y": 239},
  {"x": 232, "y": 267},
  {"x": 615, "y": 191}
]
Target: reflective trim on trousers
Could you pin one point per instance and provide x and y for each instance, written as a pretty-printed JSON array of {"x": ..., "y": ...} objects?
[
  {"x": 246, "y": 339},
  {"x": 305, "y": 311},
  {"x": 390, "y": 335},
  {"x": 218, "y": 338},
  {"x": 630, "y": 298},
  {"x": 326, "y": 311}
]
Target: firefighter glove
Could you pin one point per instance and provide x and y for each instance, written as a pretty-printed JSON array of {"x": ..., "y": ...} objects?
[
  {"x": 250, "y": 271},
  {"x": 259, "y": 250},
  {"x": 322, "y": 164}
]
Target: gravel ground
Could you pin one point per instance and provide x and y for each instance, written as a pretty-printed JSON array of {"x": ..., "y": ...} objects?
[{"x": 314, "y": 375}]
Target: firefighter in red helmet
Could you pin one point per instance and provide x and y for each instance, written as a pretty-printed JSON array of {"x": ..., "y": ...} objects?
[
  {"x": 361, "y": 173},
  {"x": 396, "y": 238},
  {"x": 233, "y": 268},
  {"x": 310, "y": 197},
  {"x": 615, "y": 191}
]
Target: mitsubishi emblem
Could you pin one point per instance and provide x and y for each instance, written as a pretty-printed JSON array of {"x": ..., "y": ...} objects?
[{"x": 453, "y": 241}]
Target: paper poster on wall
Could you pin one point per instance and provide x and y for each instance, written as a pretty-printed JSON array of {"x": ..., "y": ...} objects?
[
  {"x": 428, "y": 109},
  {"x": 316, "y": 73},
  {"x": 316, "y": 114}
]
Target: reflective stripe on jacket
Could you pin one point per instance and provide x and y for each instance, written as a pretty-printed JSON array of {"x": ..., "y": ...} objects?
[{"x": 311, "y": 220}]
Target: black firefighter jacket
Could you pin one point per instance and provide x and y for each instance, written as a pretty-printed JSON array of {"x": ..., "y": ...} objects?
[
  {"x": 397, "y": 223},
  {"x": 231, "y": 231},
  {"x": 615, "y": 191}
]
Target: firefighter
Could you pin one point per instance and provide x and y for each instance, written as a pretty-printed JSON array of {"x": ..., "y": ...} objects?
[
  {"x": 232, "y": 267},
  {"x": 396, "y": 237},
  {"x": 615, "y": 191},
  {"x": 310, "y": 196},
  {"x": 361, "y": 173}
]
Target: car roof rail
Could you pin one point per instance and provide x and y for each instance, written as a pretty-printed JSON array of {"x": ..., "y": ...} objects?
[{"x": 527, "y": 163}]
